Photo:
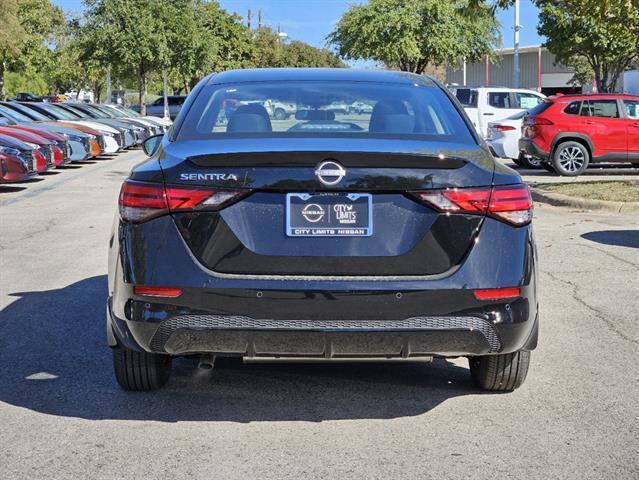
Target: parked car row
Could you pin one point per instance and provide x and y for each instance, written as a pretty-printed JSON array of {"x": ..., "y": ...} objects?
[{"x": 36, "y": 136}]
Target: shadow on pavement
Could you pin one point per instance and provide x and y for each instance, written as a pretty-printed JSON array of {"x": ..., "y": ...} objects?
[
  {"x": 69, "y": 167},
  {"x": 620, "y": 238},
  {"x": 11, "y": 188},
  {"x": 54, "y": 360}
]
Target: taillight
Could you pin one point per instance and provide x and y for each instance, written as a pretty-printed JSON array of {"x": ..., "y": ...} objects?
[
  {"x": 541, "y": 121},
  {"x": 511, "y": 203},
  {"x": 503, "y": 128},
  {"x": 140, "y": 201}
]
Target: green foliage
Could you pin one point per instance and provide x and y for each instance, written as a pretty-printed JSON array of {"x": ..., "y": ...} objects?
[
  {"x": 600, "y": 39},
  {"x": 12, "y": 32},
  {"x": 26, "y": 26},
  {"x": 137, "y": 40},
  {"x": 28, "y": 81},
  {"x": 413, "y": 34}
]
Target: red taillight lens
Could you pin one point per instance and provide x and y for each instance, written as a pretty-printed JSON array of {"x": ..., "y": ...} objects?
[
  {"x": 541, "y": 121},
  {"x": 149, "y": 291},
  {"x": 497, "y": 293},
  {"x": 512, "y": 204},
  {"x": 503, "y": 128},
  {"x": 141, "y": 201}
]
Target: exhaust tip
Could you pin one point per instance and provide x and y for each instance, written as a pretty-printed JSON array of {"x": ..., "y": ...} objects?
[{"x": 207, "y": 362}]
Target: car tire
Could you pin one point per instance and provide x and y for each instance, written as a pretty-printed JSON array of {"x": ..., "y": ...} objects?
[
  {"x": 570, "y": 159},
  {"x": 140, "y": 371},
  {"x": 280, "y": 114},
  {"x": 529, "y": 162},
  {"x": 500, "y": 373}
]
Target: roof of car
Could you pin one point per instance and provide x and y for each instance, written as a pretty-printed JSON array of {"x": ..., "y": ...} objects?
[
  {"x": 586, "y": 96},
  {"x": 320, "y": 74}
]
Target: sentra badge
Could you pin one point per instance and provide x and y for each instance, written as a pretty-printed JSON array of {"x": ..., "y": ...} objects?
[{"x": 207, "y": 176}]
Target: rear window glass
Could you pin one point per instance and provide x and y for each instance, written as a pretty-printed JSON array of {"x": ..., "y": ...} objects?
[
  {"x": 573, "y": 108},
  {"x": 539, "y": 108},
  {"x": 467, "y": 97},
  {"x": 320, "y": 108}
]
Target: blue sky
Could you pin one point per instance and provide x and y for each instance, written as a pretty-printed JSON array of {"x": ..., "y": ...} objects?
[{"x": 311, "y": 20}]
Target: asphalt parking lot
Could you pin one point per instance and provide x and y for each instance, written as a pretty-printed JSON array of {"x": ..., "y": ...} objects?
[{"x": 63, "y": 416}]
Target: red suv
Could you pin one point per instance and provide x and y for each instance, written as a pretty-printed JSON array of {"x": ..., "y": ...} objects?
[{"x": 569, "y": 132}]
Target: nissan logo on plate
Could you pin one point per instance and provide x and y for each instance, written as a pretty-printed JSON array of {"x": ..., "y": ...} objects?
[{"x": 330, "y": 173}]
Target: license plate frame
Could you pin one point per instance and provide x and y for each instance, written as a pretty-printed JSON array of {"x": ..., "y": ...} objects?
[{"x": 329, "y": 215}]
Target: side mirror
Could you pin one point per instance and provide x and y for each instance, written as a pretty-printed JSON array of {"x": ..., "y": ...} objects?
[{"x": 151, "y": 144}]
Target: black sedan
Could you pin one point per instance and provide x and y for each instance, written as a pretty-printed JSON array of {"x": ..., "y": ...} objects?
[{"x": 384, "y": 233}]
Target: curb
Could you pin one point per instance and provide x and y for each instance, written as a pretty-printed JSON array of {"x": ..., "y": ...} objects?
[{"x": 560, "y": 200}]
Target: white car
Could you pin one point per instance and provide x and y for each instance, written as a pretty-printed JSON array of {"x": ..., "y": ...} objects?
[
  {"x": 503, "y": 140},
  {"x": 490, "y": 104}
]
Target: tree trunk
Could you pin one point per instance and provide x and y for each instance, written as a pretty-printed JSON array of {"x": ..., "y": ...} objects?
[
  {"x": 142, "y": 89},
  {"x": 97, "y": 91},
  {"x": 3, "y": 92}
]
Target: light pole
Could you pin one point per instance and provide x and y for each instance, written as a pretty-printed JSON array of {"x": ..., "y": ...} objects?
[{"x": 516, "y": 49}]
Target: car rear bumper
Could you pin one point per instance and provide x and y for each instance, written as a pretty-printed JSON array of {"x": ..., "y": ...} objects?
[
  {"x": 528, "y": 147},
  {"x": 319, "y": 317},
  {"x": 468, "y": 333}
]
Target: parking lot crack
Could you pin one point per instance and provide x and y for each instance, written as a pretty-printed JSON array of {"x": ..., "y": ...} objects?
[{"x": 595, "y": 311}]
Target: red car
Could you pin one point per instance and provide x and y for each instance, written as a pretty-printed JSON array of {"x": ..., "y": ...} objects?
[
  {"x": 14, "y": 169},
  {"x": 569, "y": 132},
  {"x": 43, "y": 153},
  {"x": 59, "y": 148}
]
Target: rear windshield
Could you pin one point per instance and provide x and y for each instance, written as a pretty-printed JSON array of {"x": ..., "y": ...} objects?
[
  {"x": 316, "y": 108},
  {"x": 539, "y": 108}
]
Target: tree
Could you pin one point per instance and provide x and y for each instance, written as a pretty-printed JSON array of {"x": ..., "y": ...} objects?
[
  {"x": 605, "y": 35},
  {"x": 127, "y": 35},
  {"x": 11, "y": 35},
  {"x": 300, "y": 54},
  {"x": 25, "y": 33},
  {"x": 411, "y": 34},
  {"x": 224, "y": 43}
]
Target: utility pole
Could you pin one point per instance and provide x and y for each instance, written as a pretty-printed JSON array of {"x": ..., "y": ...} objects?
[
  {"x": 516, "y": 49},
  {"x": 259, "y": 18},
  {"x": 108, "y": 85},
  {"x": 165, "y": 77},
  {"x": 248, "y": 18},
  {"x": 464, "y": 79}
]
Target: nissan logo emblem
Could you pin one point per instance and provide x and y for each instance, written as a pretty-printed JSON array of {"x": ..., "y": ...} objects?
[{"x": 330, "y": 173}]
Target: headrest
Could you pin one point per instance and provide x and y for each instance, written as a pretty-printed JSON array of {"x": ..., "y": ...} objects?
[
  {"x": 252, "y": 118},
  {"x": 382, "y": 109},
  {"x": 394, "y": 123}
]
